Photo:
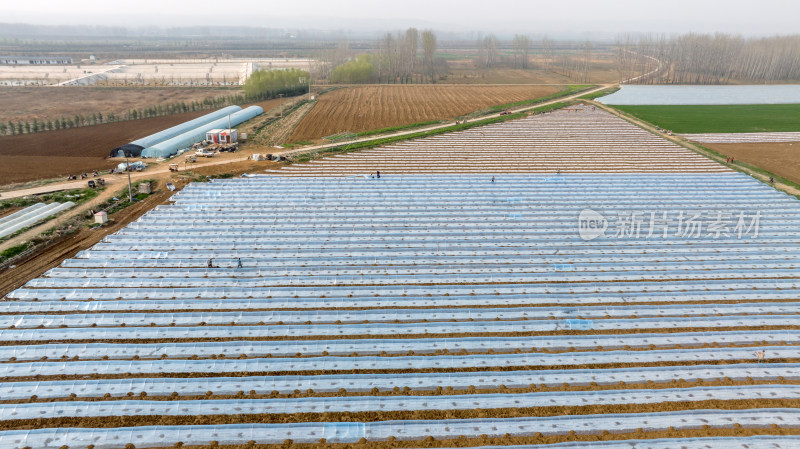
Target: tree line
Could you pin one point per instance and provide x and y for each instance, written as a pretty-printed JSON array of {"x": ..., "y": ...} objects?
[
  {"x": 708, "y": 59},
  {"x": 265, "y": 84},
  {"x": 396, "y": 60},
  {"x": 13, "y": 128},
  {"x": 262, "y": 85}
]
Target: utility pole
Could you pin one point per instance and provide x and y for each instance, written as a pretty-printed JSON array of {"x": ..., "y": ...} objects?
[{"x": 130, "y": 189}]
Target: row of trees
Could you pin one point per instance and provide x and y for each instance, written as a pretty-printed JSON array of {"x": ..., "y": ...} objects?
[
  {"x": 708, "y": 59},
  {"x": 397, "y": 60},
  {"x": 574, "y": 62},
  {"x": 265, "y": 84},
  {"x": 12, "y": 128}
]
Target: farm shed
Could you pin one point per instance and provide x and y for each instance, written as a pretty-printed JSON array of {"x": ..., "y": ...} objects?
[
  {"x": 171, "y": 146},
  {"x": 222, "y": 136},
  {"x": 134, "y": 149}
]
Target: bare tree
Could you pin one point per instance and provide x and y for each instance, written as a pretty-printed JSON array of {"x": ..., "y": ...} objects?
[
  {"x": 412, "y": 43},
  {"x": 710, "y": 59},
  {"x": 522, "y": 48},
  {"x": 547, "y": 49},
  {"x": 428, "y": 51}
]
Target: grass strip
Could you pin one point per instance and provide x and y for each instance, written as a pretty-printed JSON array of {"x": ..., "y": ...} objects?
[{"x": 691, "y": 119}]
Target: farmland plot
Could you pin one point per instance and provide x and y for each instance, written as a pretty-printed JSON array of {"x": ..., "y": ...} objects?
[
  {"x": 364, "y": 108},
  {"x": 417, "y": 306}
]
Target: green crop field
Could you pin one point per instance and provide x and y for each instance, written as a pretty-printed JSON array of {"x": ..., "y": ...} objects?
[{"x": 720, "y": 118}]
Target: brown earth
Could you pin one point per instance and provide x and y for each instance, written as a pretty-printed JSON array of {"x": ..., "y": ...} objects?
[
  {"x": 364, "y": 108},
  {"x": 52, "y": 102},
  {"x": 55, "y": 154},
  {"x": 465, "y": 71},
  {"x": 782, "y": 159},
  {"x": 376, "y": 416}
]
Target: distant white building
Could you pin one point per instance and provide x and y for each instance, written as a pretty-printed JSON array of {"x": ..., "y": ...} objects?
[{"x": 35, "y": 60}]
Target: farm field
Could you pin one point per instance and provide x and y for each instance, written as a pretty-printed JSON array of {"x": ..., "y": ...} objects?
[
  {"x": 683, "y": 119},
  {"x": 357, "y": 109},
  {"x": 53, "y": 154},
  {"x": 414, "y": 306},
  {"x": 49, "y": 103},
  {"x": 780, "y": 158},
  {"x": 578, "y": 140},
  {"x": 464, "y": 71}
]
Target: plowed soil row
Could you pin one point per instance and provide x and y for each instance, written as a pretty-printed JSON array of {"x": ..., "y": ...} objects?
[
  {"x": 406, "y": 391},
  {"x": 165, "y": 420},
  {"x": 357, "y": 109},
  {"x": 391, "y": 371}
]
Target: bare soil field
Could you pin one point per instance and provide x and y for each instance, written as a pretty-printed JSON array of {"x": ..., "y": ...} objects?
[
  {"x": 53, "y": 154},
  {"x": 465, "y": 72},
  {"x": 48, "y": 103},
  {"x": 783, "y": 159},
  {"x": 358, "y": 109}
]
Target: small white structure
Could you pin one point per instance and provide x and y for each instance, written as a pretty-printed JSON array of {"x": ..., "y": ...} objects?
[
  {"x": 222, "y": 136},
  {"x": 101, "y": 217}
]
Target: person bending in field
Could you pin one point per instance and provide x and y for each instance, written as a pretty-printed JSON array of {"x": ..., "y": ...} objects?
[
  {"x": 211, "y": 263},
  {"x": 760, "y": 355}
]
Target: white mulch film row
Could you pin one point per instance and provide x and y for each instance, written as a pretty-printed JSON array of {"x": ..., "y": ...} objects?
[
  {"x": 30, "y": 215},
  {"x": 355, "y": 404},
  {"x": 482, "y": 257},
  {"x": 367, "y": 346},
  {"x": 406, "y": 363},
  {"x": 375, "y": 329},
  {"x": 349, "y": 432},
  {"x": 770, "y": 137},
  {"x": 389, "y": 315},
  {"x": 156, "y": 386},
  {"x": 111, "y": 304}
]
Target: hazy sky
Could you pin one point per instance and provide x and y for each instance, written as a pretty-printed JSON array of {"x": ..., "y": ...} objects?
[{"x": 750, "y": 17}]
